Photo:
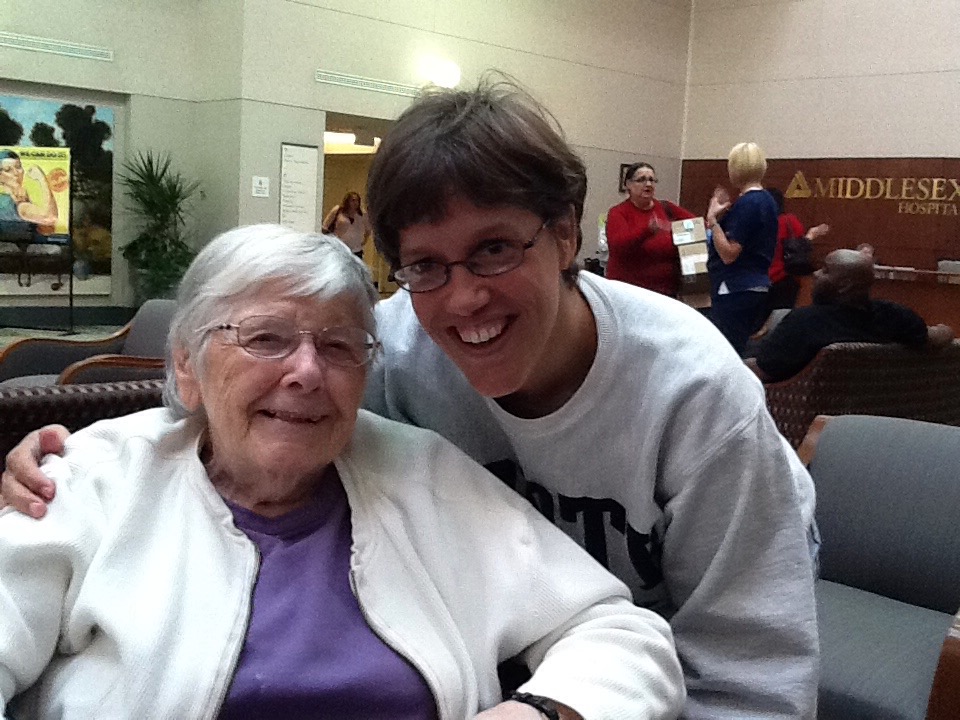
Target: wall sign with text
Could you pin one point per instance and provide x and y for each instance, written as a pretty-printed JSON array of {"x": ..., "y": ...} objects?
[
  {"x": 298, "y": 186},
  {"x": 914, "y": 195}
]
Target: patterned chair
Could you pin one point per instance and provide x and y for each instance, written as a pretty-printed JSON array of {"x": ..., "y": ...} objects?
[
  {"x": 23, "y": 409},
  {"x": 869, "y": 379}
]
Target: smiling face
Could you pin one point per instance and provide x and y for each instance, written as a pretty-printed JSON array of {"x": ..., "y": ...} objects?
[
  {"x": 282, "y": 420},
  {"x": 508, "y": 333},
  {"x": 642, "y": 186}
]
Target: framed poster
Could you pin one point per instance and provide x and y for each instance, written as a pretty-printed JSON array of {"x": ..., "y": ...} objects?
[
  {"x": 56, "y": 187},
  {"x": 298, "y": 186},
  {"x": 34, "y": 219}
]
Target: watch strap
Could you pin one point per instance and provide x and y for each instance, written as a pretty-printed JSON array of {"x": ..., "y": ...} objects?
[{"x": 546, "y": 706}]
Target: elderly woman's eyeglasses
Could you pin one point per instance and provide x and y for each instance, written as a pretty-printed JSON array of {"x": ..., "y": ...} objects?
[
  {"x": 493, "y": 258},
  {"x": 274, "y": 338},
  {"x": 643, "y": 179}
]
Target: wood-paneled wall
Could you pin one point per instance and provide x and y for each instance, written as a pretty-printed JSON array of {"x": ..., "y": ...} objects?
[{"x": 907, "y": 208}]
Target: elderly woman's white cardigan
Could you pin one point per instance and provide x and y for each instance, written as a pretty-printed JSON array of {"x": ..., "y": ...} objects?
[{"x": 131, "y": 598}]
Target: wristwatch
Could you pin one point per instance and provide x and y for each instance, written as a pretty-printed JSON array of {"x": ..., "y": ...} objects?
[{"x": 547, "y": 707}]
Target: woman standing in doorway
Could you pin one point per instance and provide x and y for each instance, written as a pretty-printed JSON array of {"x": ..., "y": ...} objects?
[
  {"x": 638, "y": 233},
  {"x": 348, "y": 223}
]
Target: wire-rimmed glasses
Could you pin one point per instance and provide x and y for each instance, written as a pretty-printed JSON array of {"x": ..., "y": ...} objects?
[{"x": 273, "y": 338}]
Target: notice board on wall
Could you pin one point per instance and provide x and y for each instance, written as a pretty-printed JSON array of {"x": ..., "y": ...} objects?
[{"x": 298, "y": 186}]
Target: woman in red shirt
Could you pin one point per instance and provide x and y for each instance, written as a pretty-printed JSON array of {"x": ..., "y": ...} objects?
[
  {"x": 639, "y": 237},
  {"x": 784, "y": 288}
]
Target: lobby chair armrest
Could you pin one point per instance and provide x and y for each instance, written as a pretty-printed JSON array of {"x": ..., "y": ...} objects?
[
  {"x": 945, "y": 696},
  {"x": 112, "y": 368},
  {"x": 48, "y": 356},
  {"x": 808, "y": 446}
]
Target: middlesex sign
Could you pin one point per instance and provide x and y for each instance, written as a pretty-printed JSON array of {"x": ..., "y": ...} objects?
[
  {"x": 907, "y": 208},
  {"x": 912, "y": 195}
]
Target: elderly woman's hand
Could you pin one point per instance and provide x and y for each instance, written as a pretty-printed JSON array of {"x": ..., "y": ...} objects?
[
  {"x": 513, "y": 710},
  {"x": 510, "y": 710}
]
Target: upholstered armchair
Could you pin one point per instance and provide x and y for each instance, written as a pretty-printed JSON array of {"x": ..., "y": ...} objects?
[
  {"x": 135, "y": 352},
  {"x": 889, "y": 587},
  {"x": 869, "y": 379}
]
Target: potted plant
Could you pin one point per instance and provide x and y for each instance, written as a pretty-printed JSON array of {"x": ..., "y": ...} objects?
[{"x": 159, "y": 195}]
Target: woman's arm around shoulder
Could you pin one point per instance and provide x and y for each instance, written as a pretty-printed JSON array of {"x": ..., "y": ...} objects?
[{"x": 23, "y": 484}]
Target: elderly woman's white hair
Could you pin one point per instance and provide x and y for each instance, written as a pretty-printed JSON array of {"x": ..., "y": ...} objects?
[{"x": 239, "y": 263}]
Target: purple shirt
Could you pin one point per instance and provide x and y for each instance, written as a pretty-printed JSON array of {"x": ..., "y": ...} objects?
[{"x": 308, "y": 652}]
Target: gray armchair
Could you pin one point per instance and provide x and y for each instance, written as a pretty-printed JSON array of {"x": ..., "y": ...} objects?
[
  {"x": 136, "y": 352},
  {"x": 887, "y": 502}
]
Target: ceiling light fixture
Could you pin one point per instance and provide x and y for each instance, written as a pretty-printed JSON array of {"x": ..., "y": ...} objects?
[
  {"x": 441, "y": 72},
  {"x": 339, "y": 138}
]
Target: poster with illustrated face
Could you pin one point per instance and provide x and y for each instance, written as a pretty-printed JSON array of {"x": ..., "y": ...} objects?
[
  {"x": 34, "y": 191},
  {"x": 56, "y": 188}
]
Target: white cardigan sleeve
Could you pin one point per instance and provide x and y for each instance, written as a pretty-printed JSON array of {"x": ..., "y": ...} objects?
[
  {"x": 42, "y": 566},
  {"x": 519, "y": 586},
  {"x": 592, "y": 649}
]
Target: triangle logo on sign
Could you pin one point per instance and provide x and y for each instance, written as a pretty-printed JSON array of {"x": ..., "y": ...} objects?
[{"x": 798, "y": 187}]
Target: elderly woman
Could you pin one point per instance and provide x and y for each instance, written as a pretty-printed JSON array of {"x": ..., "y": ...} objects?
[
  {"x": 742, "y": 247},
  {"x": 261, "y": 548}
]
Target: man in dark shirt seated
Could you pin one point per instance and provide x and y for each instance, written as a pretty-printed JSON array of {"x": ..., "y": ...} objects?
[{"x": 842, "y": 311}]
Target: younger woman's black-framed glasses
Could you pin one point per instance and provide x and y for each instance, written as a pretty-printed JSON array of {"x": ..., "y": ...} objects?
[{"x": 493, "y": 258}]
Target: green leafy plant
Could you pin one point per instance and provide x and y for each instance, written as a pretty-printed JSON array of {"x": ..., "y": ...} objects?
[{"x": 159, "y": 195}]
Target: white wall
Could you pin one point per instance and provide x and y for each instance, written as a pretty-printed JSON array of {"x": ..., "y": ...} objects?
[
  {"x": 149, "y": 85},
  {"x": 218, "y": 124},
  {"x": 825, "y": 78},
  {"x": 612, "y": 72},
  {"x": 221, "y": 83},
  {"x": 152, "y": 40},
  {"x": 265, "y": 126}
]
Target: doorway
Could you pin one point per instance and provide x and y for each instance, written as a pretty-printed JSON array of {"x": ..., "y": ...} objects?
[{"x": 350, "y": 143}]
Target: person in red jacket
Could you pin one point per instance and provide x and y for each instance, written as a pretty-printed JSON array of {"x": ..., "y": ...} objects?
[
  {"x": 784, "y": 287},
  {"x": 639, "y": 237}
]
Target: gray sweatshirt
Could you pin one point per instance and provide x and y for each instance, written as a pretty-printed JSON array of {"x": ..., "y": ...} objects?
[{"x": 666, "y": 466}]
